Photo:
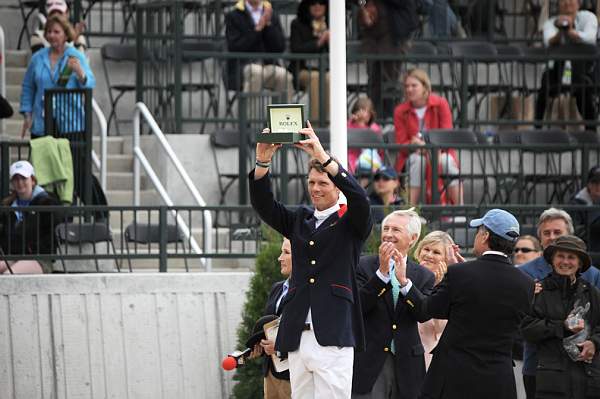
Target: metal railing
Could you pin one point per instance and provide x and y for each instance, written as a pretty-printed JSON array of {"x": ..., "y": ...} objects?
[
  {"x": 491, "y": 91},
  {"x": 142, "y": 238},
  {"x": 493, "y": 20},
  {"x": 2, "y": 73},
  {"x": 101, "y": 163},
  {"x": 138, "y": 157}
]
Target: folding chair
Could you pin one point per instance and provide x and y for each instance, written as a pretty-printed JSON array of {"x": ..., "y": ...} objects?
[
  {"x": 449, "y": 138},
  {"x": 82, "y": 239},
  {"x": 147, "y": 234},
  {"x": 225, "y": 139},
  {"x": 27, "y": 8},
  {"x": 547, "y": 166}
]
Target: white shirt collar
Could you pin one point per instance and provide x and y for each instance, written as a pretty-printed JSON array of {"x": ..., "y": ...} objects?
[
  {"x": 256, "y": 13},
  {"x": 495, "y": 253},
  {"x": 324, "y": 214}
]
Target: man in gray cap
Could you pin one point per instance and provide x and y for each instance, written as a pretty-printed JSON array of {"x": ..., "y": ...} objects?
[{"x": 484, "y": 301}]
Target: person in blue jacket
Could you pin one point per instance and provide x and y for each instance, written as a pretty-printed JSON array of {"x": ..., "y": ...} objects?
[
  {"x": 59, "y": 65},
  {"x": 553, "y": 223}
]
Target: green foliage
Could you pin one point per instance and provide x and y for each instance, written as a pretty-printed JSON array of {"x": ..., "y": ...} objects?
[{"x": 249, "y": 377}]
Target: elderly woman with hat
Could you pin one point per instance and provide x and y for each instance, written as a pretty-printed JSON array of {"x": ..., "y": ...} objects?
[
  {"x": 566, "y": 313},
  {"x": 25, "y": 232}
]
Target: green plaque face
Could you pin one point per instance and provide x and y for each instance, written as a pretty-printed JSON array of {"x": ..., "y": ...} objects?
[{"x": 285, "y": 120}]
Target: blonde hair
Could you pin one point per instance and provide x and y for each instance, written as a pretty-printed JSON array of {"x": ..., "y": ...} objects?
[
  {"x": 435, "y": 237},
  {"x": 57, "y": 19},
  {"x": 421, "y": 76}
]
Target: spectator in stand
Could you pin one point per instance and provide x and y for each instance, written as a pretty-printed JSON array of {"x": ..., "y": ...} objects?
[
  {"x": 26, "y": 233},
  {"x": 56, "y": 66},
  {"x": 254, "y": 27},
  {"x": 310, "y": 34},
  {"x": 386, "y": 29},
  {"x": 527, "y": 248},
  {"x": 424, "y": 110},
  {"x": 6, "y": 110},
  {"x": 436, "y": 252},
  {"x": 552, "y": 224},
  {"x": 565, "y": 325},
  {"x": 571, "y": 26},
  {"x": 61, "y": 8},
  {"x": 385, "y": 192},
  {"x": 587, "y": 223},
  {"x": 363, "y": 117}
]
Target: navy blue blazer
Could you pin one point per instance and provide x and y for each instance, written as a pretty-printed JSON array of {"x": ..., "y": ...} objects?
[
  {"x": 274, "y": 295},
  {"x": 484, "y": 301},
  {"x": 384, "y": 322},
  {"x": 323, "y": 276}
]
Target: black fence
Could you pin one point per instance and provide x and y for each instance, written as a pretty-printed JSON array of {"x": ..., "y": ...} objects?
[
  {"x": 130, "y": 239},
  {"x": 493, "y": 20}
]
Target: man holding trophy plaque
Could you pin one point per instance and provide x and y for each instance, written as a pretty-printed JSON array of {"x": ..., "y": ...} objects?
[{"x": 321, "y": 324}]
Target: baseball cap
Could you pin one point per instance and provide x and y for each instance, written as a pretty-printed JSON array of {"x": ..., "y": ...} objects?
[
  {"x": 386, "y": 171},
  {"x": 500, "y": 222},
  {"x": 56, "y": 5},
  {"x": 21, "y": 168},
  {"x": 594, "y": 175}
]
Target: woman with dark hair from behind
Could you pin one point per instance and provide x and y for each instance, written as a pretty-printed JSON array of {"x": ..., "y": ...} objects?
[{"x": 310, "y": 34}]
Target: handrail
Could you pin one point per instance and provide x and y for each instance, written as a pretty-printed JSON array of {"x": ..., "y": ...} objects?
[
  {"x": 101, "y": 164},
  {"x": 2, "y": 72},
  {"x": 139, "y": 111}
]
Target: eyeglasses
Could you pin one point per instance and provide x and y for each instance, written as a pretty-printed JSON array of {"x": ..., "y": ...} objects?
[{"x": 524, "y": 250}]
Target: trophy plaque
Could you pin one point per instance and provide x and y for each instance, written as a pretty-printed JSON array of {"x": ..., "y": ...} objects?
[{"x": 285, "y": 120}]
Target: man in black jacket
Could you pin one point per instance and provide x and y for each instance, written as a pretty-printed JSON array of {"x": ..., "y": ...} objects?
[
  {"x": 484, "y": 301},
  {"x": 321, "y": 322},
  {"x": 393, "y": 365},
  {"x": 253, "y": 27}
]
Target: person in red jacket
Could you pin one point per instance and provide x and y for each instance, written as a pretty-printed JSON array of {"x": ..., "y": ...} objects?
[{"x": 424, "y": 110}]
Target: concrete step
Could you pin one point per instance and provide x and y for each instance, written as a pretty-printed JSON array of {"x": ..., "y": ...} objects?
[
  {"x": 123, "y": 181},
  {"x": 17, "y": 58},
  {"x": 13, "y": 91},
  {"x": 14, "y": 75},
  {"x": 12, "y": 127},
  {"x": 125, "y": 197},
  {"x": 114, "y": 145},
  {"x": 120, "y": 162}
]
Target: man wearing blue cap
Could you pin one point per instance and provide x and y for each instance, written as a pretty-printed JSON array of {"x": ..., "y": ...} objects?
[{"x": 484, "y": 301}]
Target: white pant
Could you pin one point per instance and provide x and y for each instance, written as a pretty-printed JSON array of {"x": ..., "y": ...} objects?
[{"x": 318, "y": 372}]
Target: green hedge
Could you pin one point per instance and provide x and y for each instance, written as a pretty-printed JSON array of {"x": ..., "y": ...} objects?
[{"x": 249, "y": 377}]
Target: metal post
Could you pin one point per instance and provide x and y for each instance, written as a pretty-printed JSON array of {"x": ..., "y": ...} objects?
[
  {"x": 337, "y": 89},
  {"x": 162, "y": 249},
  {"x": 243, "y": 148},
  {"x": 4, "y": 166},
  {"x": 435, "y": 194},
  {"x": 464, "y": 92},
  {"x": 139, "y": 65},
  {"x": 322, "y": 80},
  {"x": 178, "y": 22}
]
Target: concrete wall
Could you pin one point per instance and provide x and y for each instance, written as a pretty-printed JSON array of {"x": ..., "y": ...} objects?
[{"x": 118, "y": 336}]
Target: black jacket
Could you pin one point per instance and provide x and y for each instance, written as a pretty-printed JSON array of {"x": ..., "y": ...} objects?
[
  {"x": 35, "y": 233},
  {"x": 302, "y": 40},
  {"x": 557, "y": 374},
  {"x": 242, "y": 38},
  {"x": 323, "y": 276},
  {"x": 274, "y": 295},
  {"x": 6, "y": 110},
  {"x": 382, "y": 323},
  {"x": 484, "y": 301},
  {"x": 401, "y": 20}
]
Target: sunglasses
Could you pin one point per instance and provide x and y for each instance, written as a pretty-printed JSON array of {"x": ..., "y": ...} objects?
[{"x": 524, "y": 250}]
